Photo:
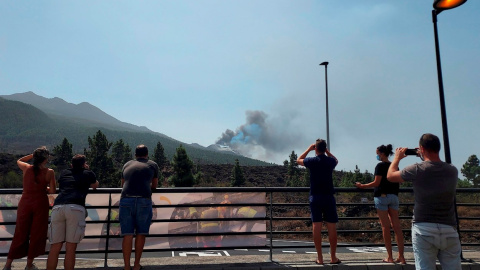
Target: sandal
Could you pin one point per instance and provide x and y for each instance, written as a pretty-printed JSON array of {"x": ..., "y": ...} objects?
[{"x": 336, "y": 262}]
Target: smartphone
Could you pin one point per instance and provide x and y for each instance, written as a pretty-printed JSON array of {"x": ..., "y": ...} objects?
[{"x": 411, "y": 152}]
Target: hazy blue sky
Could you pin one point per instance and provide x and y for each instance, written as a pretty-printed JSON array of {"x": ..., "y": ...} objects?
[{"x": 193, "y": 69}]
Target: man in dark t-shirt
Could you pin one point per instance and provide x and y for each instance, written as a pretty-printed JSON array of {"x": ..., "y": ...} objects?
[
  {"x": 69, "y": 213},
  {"x": 322, "y": 202},
  {"x": 139, "y": 178}
]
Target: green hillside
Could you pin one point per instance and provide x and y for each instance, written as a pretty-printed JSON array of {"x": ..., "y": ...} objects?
[{"x": 25, "y": 127}]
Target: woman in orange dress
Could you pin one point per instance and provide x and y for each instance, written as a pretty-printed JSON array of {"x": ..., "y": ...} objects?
[{"x": 31, "y": 227}]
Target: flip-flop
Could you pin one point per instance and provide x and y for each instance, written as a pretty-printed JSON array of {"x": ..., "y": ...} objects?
[
  {"x": 386, "y": 261},
  {"x": 337, "y": 262},
  {"x": 400, "y": 261},
  {"x": 318, "y": 262}
]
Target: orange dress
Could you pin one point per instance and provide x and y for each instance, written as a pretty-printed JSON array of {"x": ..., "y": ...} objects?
[{"x": 30, "y": 235}]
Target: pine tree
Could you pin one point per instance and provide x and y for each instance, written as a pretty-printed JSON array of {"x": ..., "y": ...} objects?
[
  {"x": 100, "y": 162},
  {"x": 292, "y": 168},
  {"x": 237, "y": 179},
  {"x": 471, "y": 170},
  {"x": 159, "y": 156},
  {"x": 118, "y": 151},
  {"x": 63, "y": 153},
  {"x": 182, "y": 168},
  {"x": 294, "y": 179},
  {"x": 127, "y": 154}
]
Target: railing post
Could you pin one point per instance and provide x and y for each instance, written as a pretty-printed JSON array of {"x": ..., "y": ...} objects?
[
  {"x": 271, "y": 226},
  {"x": 107, "y": 239}
]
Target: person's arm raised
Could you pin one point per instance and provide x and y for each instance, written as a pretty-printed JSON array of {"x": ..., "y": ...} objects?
[
  {"x": 304, "y": 155},
  {"x": 393, "y": 174},
  {"x": 22, "y": 162}
]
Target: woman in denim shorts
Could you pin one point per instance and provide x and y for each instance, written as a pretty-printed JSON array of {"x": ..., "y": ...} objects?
[{"x": 386, "y": 202}]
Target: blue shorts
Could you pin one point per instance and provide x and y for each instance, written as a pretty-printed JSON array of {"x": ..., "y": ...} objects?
[
  {"x": 135, "y": 215},
  {"x": 323, "y": 208},
  {"x": 389, "y": 201}
]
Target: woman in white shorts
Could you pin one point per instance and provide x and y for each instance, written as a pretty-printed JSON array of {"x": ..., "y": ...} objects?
[{"x": 68, "y": 213}]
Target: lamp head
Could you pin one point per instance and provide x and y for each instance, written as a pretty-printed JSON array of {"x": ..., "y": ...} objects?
[
  {"x": 440, "y": 5},
  {"x": 324, "y": 64}
]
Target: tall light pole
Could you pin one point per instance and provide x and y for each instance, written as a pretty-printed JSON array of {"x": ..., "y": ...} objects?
[
  {"x": 326, "y": 100},
  {"x": 439, "y": 6}
]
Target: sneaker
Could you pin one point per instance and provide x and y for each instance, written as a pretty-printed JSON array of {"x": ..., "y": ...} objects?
[{"x": 33, "y": 267}]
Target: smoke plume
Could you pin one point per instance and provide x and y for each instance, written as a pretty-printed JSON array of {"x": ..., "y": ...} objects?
[{"x": 262, "y": 138}]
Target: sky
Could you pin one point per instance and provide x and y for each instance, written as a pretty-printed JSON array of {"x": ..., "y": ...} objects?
[{"x": 246, "y": 73}]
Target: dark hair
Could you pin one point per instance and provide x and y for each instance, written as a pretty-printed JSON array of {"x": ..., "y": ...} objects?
[
  {"x": 39, "y": 156},
  {"x": 141, "y": 151},
  {"x": 78, "y": 161},
  {"x": 430, "y": 142},
  {"x": 387, "y": 150},
  {"x": 321, "y": 145}
]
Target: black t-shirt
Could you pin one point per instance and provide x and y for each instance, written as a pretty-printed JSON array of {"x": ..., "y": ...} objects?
[
  {"x": 385, "y": 187},
  {"x": 321, "y": 170},
  {"x": 74, "y": 185}
]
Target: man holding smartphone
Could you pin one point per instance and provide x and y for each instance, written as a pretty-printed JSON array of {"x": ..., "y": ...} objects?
[{"x": 434, "y": 234}]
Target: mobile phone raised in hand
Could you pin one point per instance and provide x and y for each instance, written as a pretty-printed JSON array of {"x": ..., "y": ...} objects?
[{"x": 411, "y": 152}]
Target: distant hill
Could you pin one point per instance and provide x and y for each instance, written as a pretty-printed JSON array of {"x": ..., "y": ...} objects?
[
  {"x": 84, "y": 111},
  {"x": 28, "y": 121}
]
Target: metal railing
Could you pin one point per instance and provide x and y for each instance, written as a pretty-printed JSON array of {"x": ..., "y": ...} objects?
[{"x": 278, "y": 201}]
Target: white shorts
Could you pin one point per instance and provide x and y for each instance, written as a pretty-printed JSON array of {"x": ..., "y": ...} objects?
[{"x": 67, "y": 223}]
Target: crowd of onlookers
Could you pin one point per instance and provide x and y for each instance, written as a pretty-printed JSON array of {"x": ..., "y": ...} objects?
[
  {"x": 434, "y": 234},
  {"x": 67, "y": 225}
]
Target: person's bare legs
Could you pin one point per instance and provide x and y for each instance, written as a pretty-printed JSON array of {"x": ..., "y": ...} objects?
[
  {"x": 395, "y": 220},
  {"x": 127, "y": 250},
  {"x": 139, "y": 244},
  {"x": 29, "y": 262},
  {"x": 385, "y": 222},
  {"x": 332, "y": 238},
  {"x": 8, "y": 263},
  {"x": 317, "y": 239},
  {"x": 69, "y": 263},
  {"x": 53, "y": 254}
]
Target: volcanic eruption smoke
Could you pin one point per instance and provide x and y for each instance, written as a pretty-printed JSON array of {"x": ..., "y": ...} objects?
[{"x": 260, "y": 138}]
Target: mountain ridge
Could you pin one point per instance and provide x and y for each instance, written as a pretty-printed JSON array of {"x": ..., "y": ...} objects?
[
  {"x": 23, "y": 135},
  {"x": 60, "y": 107}
]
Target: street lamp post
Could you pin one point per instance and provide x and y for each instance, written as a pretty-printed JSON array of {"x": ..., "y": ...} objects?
[
  {"x": 326, "y": 100},
  {"x": 439, "y": 6}
]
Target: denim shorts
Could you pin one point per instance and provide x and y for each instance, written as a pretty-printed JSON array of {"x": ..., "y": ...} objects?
[
  {"x": 135, "y": 215},
  {"x": 432, "y": 241},
  {"x": 389, "y": 201},
  {"x": 323, "y": 208}
]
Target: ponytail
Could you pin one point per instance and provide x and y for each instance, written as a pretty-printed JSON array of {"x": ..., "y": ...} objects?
[{"x": 39, "y": 156}]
